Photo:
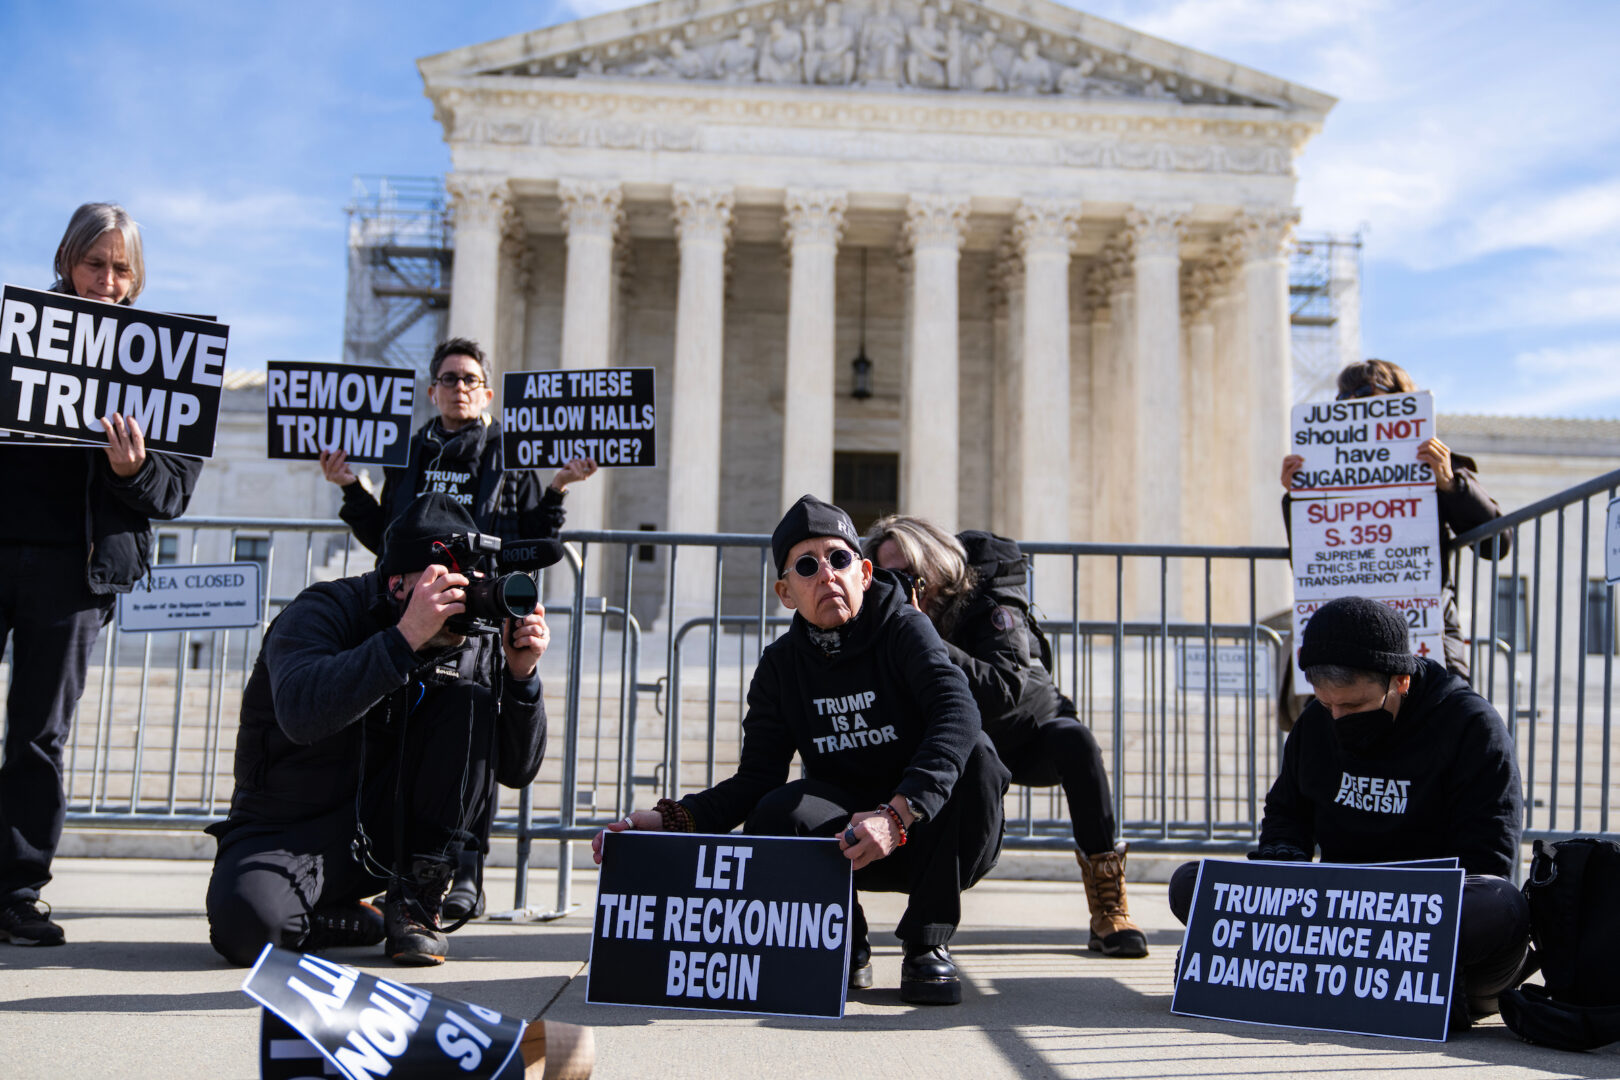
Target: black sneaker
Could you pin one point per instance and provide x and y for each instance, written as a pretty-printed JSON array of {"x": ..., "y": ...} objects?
[
  {"x": 344, "y": 926},
  {"x": 23, "y": 923},
  {"x": 928, "y": 977}
]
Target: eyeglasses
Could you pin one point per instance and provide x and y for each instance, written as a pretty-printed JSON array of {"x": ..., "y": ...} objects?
[
  {"x": 808, "y": 566},
  {"x": 450, "y": 381},
  {"x": 1364, "y": 390}
]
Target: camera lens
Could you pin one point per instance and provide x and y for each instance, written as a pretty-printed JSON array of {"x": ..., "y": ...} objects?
[{"x": 491, "y": 600}]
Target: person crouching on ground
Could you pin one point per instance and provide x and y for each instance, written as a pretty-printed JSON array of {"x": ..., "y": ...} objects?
[
  {"x": 1381, "y": 712},
  {"x": 972, "y": 589},
  {"x": 372, "y": 728},
  {"x": 907, "y": 780}
]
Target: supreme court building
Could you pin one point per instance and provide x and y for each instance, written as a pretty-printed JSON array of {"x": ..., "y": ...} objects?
[{"x": 1060, "y": 242}]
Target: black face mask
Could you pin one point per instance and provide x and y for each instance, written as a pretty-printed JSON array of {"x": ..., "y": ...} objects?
[{"x": 1365, "y": 730}]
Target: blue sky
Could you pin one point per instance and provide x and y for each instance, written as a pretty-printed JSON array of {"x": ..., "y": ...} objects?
[{"x": 1476, "y": 145}]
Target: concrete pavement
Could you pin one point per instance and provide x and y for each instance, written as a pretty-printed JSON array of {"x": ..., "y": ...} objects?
[{"x": 139, "y": 993}]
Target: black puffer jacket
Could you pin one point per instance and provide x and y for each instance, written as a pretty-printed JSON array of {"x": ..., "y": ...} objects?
[
  {"x": 992, "y": 637},
  {"x": 510, "y": 505},
  {"x": 1440, "y": 781},
  {"x": 889, "y": 714},
  {"x": 327, "y": 682}
]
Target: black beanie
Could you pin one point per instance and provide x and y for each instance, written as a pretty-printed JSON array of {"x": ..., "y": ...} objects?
[
  {"x": 408, "y": 543},
  {"x": 807, "y": 518},
  {"x": 1359, "y": 634}
]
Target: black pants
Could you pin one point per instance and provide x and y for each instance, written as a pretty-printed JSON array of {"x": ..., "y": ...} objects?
[
  {"x": 53, "y": 620},
  {"x": 942, "y": 856},
  {"x": 270, "y": 877},
  {"x": 1492, "y": 938},
  {"x": 1062, "y": 750}
]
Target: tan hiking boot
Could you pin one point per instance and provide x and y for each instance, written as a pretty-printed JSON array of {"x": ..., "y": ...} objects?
[{"x": 1112, "y": 932}]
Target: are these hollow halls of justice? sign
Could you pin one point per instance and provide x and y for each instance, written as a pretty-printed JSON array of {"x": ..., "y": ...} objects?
[{"x": 66, "y": 362}]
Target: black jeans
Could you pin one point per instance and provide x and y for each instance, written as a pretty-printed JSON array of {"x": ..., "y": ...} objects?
[
  {"x": 1062, "y": 750},
  {"x": 1492, "y": 938},
  {"x": 269, "y": 877},
  {"x": 53, "y": 620},
  {"x": 942, "y": 856}
]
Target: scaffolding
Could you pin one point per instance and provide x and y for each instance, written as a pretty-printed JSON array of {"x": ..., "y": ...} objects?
[
  {"x": 400, "y": 250},
  {"x": 1324, "y": 309}
]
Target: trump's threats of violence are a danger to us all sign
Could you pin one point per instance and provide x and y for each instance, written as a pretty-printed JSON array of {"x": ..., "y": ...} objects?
[{"x": 754, "y": 924}]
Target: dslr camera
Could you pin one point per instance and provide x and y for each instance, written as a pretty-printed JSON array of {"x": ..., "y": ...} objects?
[{"x": 493, "y": 596}]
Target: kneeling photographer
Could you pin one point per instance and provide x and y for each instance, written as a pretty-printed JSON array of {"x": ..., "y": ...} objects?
[{"x": 380, "y": 712}]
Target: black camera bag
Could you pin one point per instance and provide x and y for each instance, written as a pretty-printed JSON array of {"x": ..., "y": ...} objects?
[{"x": 1572, "y": 891}]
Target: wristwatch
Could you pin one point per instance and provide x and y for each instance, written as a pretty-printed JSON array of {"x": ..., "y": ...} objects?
[{"x": 915, "y": 810}]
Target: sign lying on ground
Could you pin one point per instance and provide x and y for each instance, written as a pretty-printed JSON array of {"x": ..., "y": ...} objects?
[
  {"x": 366, "y": 1027},
  {"x": 67, "y": 362},
  {"x": 1359, "y": 523},
  {"x": 363, "y": 411},
  {"x": 729, "y": 923},
  {"x": 607, "y": 415},
  {"x": 1363, "y": 949},
  {"x": 192, "y": 597}
]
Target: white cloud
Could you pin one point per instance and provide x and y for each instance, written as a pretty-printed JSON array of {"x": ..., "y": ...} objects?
[
  {"x": 1580, "y": 379},
  {"x": 1567, "y": 219},
  {"x": 1223, "y": 25}
]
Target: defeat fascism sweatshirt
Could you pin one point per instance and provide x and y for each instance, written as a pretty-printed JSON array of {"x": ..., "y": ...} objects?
[
  {"x": 1440, "y": 780},
  {"x": 887, "y": 714}
]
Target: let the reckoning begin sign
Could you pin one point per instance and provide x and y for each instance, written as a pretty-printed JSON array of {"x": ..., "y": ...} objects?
[
  {"x": 1364, "y": 949},
  {"x": 732, "y": 923}
]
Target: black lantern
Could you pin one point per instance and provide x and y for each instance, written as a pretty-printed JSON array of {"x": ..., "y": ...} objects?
[{"x": 860, "y": 386}]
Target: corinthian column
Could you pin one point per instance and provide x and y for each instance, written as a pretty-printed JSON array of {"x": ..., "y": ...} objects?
[
  {"x": 592, "y": 216},
  {"x": 934, "y": 230},
  {"x": 1261, "y": 241},
  {"x": 1156, "y": 236},
  {"x": 478, "y": 204},
  {"x": 815, "y": 222},
  {"x": 702, "y": 224},
  {"x": 1044, "y": 231}
]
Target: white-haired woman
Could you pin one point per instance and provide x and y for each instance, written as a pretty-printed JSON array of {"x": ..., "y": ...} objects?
[
  {"x": 80, "y": 533},
  {"x": 972, "y": 588}
]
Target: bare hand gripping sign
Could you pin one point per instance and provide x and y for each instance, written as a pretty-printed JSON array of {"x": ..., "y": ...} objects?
[
  {"x": 363, "y": 411},
  {"x": 735, "y": 923},
  {"x": 67, "y": 362},
  {"x": 367, "y": 1027},
  {"x": 1366, "y": 949},
  {"x": 607, "y": 415}
]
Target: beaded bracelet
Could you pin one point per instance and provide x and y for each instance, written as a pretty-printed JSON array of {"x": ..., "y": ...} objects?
[
  {"x": 901, "y": 825},
  {"x": 676, "y": 818}
]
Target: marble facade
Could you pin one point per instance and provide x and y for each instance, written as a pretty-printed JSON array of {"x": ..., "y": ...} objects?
[{"x": 1075, "y": 237}]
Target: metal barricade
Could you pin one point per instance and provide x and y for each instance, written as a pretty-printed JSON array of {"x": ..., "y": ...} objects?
[{"x": 1161, "y": 647}]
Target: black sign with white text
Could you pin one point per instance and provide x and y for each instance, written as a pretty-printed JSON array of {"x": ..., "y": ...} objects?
[
  {"x": 728, "y": 923},
  {"x": 365, "y": 1027},
  {"x": 550, "y": 417},
  {"x": 1363, "y": 949},
  {"x": 67, "y": 362},
  {"x": 363, "y": 411}
]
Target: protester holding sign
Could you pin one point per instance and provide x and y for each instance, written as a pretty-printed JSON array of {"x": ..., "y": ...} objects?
[
  {"x": 896, "y": 763},
  {"x": 79, "y": 534},
  {"x": 1463, "y": 502},
  {"x": 374, "y": 729},
  {"x": 972, "y": 589},
  {"x": 1399, "y": 760},
  {"x": 459, "y": 455}
]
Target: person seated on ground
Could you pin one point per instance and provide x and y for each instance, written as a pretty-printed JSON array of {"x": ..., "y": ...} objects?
[
  {"x": 373, "y": 726},
  {"x": 971, "y": 587},
  {"x": 1381, "y": 712},
  {"x": 459, "y": 454},
  {"x": 1462, "y": 501},
  {"x": 904, "y": 776}
]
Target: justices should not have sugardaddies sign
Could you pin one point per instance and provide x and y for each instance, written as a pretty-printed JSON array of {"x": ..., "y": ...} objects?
[
  {"x": 67, "y": 362},
  {"x": 607, "y": 415},
  {"x": 729, "y": 923},
  {"x": 1363, "y": 949},
  {"x": 365, "y": 412}
]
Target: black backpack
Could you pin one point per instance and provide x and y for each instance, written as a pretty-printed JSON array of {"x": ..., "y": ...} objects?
[
  {"x": 1003, "y": 575},
  {"x": 1572, "y": 891}
]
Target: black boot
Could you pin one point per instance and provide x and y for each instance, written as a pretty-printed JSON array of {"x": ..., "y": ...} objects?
[
  {"x": 928, "y": 977},
  {"x": 466, "y": 899},
  {"x": 860, "y": 952},
  {"x": 412, "y": 913},
  {"x": 345, "y": 925}
]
